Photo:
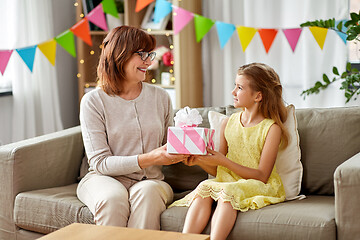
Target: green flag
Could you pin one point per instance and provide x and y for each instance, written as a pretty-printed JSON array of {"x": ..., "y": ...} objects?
[
  {"x": 66, "y": 40},
  {"x": 109, "y": 7},
  {"x": 202, "y": 26}
]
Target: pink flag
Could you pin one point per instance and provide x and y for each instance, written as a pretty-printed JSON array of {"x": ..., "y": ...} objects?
[
  {"x": 181, "y": 18},
  {"x": 4, "y": 59},
  {"x": 97, "y": 17},
  {"x": 292, "y": 35}
]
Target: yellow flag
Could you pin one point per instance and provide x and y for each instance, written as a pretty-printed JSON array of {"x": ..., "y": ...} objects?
[
  {"x": 49, "y": 50},
  {"x": 246, "y": 34},
  {"x": 319, "y": 35}
]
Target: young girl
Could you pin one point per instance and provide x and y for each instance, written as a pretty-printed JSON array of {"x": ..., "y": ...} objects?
[{"x": 244, "y": 167}]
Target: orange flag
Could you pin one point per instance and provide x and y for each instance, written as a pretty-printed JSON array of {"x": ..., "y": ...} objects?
[
  {"x": 82, "y": 30},
  {"x": 267, "y": 37},
  {"x": 140, "y": 4}
]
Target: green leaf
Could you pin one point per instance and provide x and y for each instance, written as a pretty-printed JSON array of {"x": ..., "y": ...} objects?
[
  {"x": 354, "y": 16},
  {"x": 343, "y": 75},
  {"x": 339, "y": 26},
  {"x": 318, "y": 84},
  {"x": 335, "y": 71},
  {"x": 326, "y": 79},
  {"x": 348, "y": 66}
]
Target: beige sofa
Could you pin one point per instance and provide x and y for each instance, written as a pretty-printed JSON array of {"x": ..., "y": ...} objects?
[{"x": 38, "y": 179}]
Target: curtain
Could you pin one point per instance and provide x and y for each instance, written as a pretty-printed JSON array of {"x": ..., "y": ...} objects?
[
  {"x": 298, "y": 70},
  {"x": 35, "y": 100}
]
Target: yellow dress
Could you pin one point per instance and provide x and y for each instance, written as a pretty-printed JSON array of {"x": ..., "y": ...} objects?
[{"x": 244, "y": 147}]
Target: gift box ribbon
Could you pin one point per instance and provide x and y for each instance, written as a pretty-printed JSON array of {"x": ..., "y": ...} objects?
[{"x": 195, "y": 137}]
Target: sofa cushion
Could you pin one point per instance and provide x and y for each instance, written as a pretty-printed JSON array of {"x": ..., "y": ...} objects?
[
  {"x": 288, "y": 160},
  {"x": 49, "y": 209},
  {"x": 328, "y": 137},
  {"x": 311, "y": 218}
]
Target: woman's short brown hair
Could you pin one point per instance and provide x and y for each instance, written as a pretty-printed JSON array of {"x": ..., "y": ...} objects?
[{"x": 117, "y": 48}]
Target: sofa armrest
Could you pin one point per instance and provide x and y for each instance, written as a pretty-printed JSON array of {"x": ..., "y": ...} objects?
[
  {"x": 347, "y": 195},
  {"x": 46, "y": 161}
]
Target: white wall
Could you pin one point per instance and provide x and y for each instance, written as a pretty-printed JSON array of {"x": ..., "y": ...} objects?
[{"x": 66, "y": 67}]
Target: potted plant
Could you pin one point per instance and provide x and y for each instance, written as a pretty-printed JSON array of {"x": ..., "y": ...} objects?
[{"x": 351, "y": 76}]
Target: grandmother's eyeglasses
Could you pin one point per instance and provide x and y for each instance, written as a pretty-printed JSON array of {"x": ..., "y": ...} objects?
[{"x": 145, "y": 55}]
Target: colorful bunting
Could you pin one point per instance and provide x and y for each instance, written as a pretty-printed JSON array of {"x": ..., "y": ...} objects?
[
  {"x": 292, "y": 35},
  {"x": 66, "y": 40},
  {"x": 97, "y": 17},
  {"x": 181, "y": 18},
  {"x": 246, "y": 34},
  {"x": 319, "y": 35},
  {"x": 267, "y": 37},
  {"x": 202, "y": 26},
  {"x": 4, "y": 59},
  {"x": 28, "y": 55},
  {"x": 140, "y": 4},
  {"x": 49, "y": 50},
  {"x": 82, "y": 30},
  {"x": 109, "y": 7},
  {"x": 225, "y": 31},
  {"x": 162, "y": 9}
]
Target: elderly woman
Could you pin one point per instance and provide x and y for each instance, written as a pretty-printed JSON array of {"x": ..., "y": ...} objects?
[{"x": 124, "y": 123}]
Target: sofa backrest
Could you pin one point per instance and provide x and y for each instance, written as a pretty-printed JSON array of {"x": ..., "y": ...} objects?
[{"x": 328, "y": 137}]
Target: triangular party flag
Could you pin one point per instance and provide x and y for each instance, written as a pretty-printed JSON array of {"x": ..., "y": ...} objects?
[
  {"x": 342, "y": 34},
  {"x": 66, "y": 40},
  {"x": 246, "y": 34},
  {"x": 319, "y": 35},
  {"x": 97, "y": 17},
  {"x": 267, "y": 36},
  {"x": 202, "y": 26},
  {"x": 140, "y": 4},
  {"x": 82, "y": 30},
  {"x": 4, "y": 59},
  {"x": 162, "y": 9},
  {"x": 48, "y": 48},
  {"x": 292, "y": 35},
  {"x": 28, "y": 55},
  {"x": 109, "y": 7},
  {"x": 181, "y": 18},
  {"x": 225, "y": 31}
]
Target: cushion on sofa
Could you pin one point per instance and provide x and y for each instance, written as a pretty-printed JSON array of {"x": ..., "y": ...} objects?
[
  {"x": 49, "y": 209},
  {"x": 288, "y": 162},
  {"x": 311, "y": 218},
  {"x": 322, "y": 150}
]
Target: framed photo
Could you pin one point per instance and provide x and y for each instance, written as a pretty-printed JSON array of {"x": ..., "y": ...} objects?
[{"x": 148, "y": 21}]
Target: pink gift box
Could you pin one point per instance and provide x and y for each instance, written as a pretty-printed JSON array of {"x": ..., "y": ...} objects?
[{"x": 189, "y": 140}]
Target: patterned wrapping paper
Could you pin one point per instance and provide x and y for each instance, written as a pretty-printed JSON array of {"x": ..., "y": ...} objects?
[{"x": 189, "y": 140}]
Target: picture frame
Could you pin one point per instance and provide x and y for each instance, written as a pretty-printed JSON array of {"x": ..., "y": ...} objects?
[{"x": 148, "y": 20}]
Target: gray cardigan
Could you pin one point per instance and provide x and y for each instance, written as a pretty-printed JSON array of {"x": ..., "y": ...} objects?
[{"x": 115, "y": 131}]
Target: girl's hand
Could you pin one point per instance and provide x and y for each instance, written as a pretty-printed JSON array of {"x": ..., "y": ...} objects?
[{"x": 213, "y": 158}]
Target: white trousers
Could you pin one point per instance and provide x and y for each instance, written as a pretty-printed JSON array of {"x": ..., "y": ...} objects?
[{"x": 124, "y": 202}]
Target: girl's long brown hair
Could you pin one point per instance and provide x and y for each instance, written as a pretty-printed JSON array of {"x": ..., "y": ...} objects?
[
  {"x": 118, "y": 47},
  {"x": 265, "y": 80}
]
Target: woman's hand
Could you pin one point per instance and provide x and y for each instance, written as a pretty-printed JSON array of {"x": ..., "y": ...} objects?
[{"x": 160, "y": 156}]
